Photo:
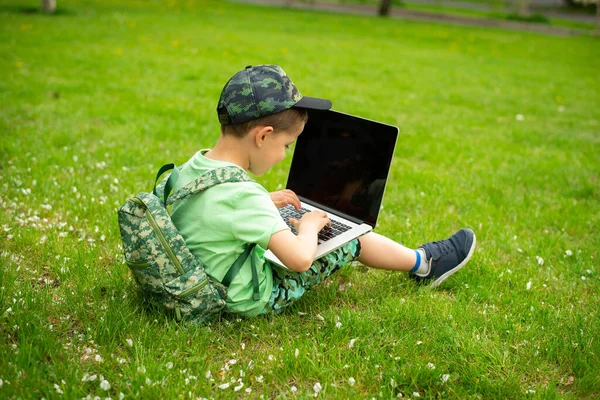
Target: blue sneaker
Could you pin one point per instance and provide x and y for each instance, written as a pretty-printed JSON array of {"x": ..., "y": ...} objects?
[{"x": 445, "y": 257}]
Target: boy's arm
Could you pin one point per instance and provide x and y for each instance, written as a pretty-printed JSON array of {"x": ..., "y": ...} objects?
[{"x": 298, "y": 252}]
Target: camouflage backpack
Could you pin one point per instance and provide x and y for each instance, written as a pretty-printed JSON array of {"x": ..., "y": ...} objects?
[{"x": 158, "y": 257}]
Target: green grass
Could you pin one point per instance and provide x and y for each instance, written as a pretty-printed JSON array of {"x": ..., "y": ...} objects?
[{"x": 500, "y": 132}]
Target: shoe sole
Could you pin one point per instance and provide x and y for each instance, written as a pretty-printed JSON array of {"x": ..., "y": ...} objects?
[{"x": 442, "y": 278}]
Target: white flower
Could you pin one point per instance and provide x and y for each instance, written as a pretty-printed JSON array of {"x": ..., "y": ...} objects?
[
  {"x": 351, "y": 344},
  {"x": 169, "y": 365},
  {"x": 568, "y": 253},
  {"x": 98, "y": 358},
  {"x": 416, "y": 394},
  {"x": 58, "y": 389},
  {"x": 129, "y": 342},
  {"x": 121, "y": 396},
  {"x": 528, "y": 285},
  {"x": 338, "y": 324},
  {"x": 260, "y": 379},
  {"x": 224, "y": 386},
  {"x": 351, "y": 381},
  {"x": 430, "y": 366},
  {"x": 294, "y": 389},
  {"x": 208, "y": 374},
  {"x": 445, "y": 378},
  {"x": 419, "y": 342},
  {"x": 317, "y": 387},
  {"x": 241, "y": 385},
  {"x": 296, "y": 353},
  {"x": 104, "y": 385},
  {"x": 271, "y": 358},
  {"x": 540, "y": 260},
  {"x": 520, "y": 117},
  {"x": 89, "y": 378},
  {"x": 141, "y": 369}
]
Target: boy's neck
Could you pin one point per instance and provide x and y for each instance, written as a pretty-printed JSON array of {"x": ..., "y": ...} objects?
[{"x": 230, "y": 149}]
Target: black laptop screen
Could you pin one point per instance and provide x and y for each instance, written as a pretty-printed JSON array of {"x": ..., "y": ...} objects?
[{"x": 342, "y": 162}]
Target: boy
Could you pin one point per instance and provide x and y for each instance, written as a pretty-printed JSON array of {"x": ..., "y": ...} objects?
[{"x": 261, "y": 114}]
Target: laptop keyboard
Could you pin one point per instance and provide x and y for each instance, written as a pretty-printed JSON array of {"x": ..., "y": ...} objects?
[{"x": 327, "y": 233}]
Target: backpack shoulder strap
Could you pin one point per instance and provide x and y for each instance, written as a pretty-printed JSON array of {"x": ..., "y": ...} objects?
[
  {"x": 210, "y": 179},
  {"x": 164, "y": 188},
  {"x": 237, "y": 265}
]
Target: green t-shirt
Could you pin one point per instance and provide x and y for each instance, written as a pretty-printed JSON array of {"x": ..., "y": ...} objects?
[{"x": 218, "y": 224}]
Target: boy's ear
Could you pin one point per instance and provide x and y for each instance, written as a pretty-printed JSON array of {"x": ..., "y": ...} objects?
[{"x": 261, "y": 134}]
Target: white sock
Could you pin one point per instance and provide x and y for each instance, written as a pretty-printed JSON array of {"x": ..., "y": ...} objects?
[{"x": 421, "y": 266}]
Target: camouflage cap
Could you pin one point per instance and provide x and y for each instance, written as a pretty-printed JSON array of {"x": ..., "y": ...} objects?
[{"x": 261, "y": 90}]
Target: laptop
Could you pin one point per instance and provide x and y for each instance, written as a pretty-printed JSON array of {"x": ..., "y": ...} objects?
[{"x": 340, "y": 165}]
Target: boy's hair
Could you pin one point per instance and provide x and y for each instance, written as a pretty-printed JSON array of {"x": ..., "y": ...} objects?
[{"x": 280, "y": 121}]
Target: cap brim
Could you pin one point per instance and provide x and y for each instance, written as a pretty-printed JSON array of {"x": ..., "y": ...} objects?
[{"x": 312, "y": 103}]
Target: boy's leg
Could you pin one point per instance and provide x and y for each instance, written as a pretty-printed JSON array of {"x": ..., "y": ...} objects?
[
  {"x": 378, "y": 251},
  {"x": 289, "y": 286},
  {"x": 439, "y": 259}
]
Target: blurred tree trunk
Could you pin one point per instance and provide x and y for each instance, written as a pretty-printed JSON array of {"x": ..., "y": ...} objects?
[
  {"x": 49, "y": 6},
  {"x": 384, "y": 8},
  {"x": 523, "y": 10}
]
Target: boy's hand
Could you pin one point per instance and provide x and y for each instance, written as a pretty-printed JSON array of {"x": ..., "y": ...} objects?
[
  {"x": 283, "y": 198},
  {"x": 316, "y": 219}
]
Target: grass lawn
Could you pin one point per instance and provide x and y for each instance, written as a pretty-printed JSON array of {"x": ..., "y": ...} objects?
[{"x": 500, "y": 132}]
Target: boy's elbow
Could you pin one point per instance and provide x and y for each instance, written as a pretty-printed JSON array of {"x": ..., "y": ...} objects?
[
  {"x": 305, "y": 266},
  {"x": 301, "y": 264}
]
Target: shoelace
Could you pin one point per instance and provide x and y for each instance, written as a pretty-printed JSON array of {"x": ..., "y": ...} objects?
[{"x": 443, "y": 247}]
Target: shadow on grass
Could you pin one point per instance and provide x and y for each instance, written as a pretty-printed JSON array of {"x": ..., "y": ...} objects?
[{"x": 28, "y": 10}]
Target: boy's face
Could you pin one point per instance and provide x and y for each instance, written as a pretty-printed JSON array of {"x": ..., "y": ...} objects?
[{"x": 273, "y": 147}]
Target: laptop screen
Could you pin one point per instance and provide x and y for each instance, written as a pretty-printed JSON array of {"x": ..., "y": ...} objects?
[{"x": 342, "y": 162}]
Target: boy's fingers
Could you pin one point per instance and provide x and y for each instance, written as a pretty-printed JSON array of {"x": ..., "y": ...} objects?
[
  {"x": 291, "y": 198},
  {"x": 296, "y": 203},
  {"x": 294, "y": 200}
]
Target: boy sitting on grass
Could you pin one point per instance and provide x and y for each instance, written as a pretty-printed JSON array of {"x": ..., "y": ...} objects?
[{"x": 262, "y": 113}]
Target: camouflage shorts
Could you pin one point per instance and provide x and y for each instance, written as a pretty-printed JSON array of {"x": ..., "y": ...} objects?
[{"x": 289, "y": 286}]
